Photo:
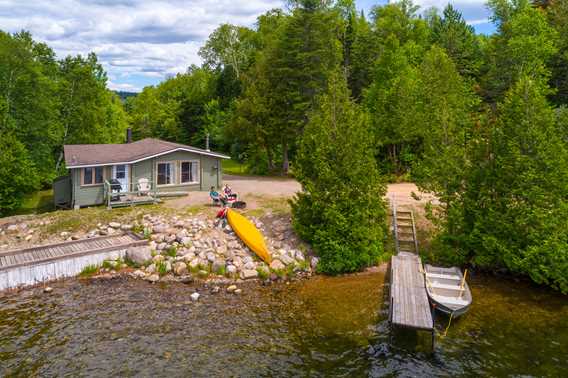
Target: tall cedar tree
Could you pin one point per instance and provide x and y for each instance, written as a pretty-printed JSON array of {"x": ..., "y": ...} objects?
[
  {"x": 341, "y": 210},
  {"x": 516, "y": 202}
]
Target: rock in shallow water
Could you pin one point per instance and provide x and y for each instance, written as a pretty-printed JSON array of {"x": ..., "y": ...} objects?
[
  {"x": 231, "y": 288},
  {"x": 195, "y": 297}
]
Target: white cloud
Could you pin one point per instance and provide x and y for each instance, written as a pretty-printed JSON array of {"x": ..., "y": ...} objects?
[
  {"x": 132, "y": 38},
  {"x": 472, "y": 10}
]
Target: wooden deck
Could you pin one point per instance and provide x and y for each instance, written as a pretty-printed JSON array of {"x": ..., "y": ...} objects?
[
  {"x": 409, "y": 301},
  {"x": 37, "y": 264}
]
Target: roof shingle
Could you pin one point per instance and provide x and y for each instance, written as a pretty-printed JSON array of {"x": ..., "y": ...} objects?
[{"x": 105, "y": 154}]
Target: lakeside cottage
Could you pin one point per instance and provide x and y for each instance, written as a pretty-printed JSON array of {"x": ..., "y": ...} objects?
[{"x": 134, "y": 172}]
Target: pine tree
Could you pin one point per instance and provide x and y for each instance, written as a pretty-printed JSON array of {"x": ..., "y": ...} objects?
[
  {"x": 341, "y": 210},
  {"x": 458, "y": 39},
  {"x": 306, "y": 52}
]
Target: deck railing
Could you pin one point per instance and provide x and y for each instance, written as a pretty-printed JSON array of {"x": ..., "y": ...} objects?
[{"x": 145, "y": 196}]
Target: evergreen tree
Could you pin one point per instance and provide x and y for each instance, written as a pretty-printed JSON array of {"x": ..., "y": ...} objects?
[
  {"x": 392, "y": 101},
  {"x": 446, "y": 119},
  {"x": 515, "y": 203},
  {"x": 558, "y": 19},
  {"x": 306, "y": 52},
  {"x": 341, "y": 210},
  {"x": 458, "y": 39}
]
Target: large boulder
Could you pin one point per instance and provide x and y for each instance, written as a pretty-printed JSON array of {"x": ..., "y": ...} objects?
[
  {"x": 286, "y": 259},
  {"x": 277, "y": 265},
  {"x": 248, "y": 274},
  {"x": 231, "y": 269},
  {"x": 180, "y": 268},
  {"x": 139, "y": 255}
]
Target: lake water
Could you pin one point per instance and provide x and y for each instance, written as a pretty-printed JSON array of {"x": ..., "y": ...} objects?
[{"x": 319, "y": 327}]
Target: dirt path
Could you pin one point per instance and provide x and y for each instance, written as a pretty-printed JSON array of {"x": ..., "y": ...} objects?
[{"x": 250, "y": 188}]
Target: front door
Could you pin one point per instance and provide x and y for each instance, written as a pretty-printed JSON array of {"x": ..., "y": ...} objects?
[{"x": 120, "y": 173}]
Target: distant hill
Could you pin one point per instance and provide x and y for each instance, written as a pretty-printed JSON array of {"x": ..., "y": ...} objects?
[{"x": 124, "y": 95}]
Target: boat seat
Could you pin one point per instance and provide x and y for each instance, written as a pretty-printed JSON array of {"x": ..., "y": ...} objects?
[
  {"x": 450, "y": 300},
  {"x": 437, "y": 285},
  {"x": 446, "y": 276}
]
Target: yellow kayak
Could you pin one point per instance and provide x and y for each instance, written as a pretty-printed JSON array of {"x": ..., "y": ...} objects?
[{"x": 249, "y": 234}]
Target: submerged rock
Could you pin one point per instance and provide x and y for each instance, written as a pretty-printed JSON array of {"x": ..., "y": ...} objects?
[{"x": 231, "y": 288}]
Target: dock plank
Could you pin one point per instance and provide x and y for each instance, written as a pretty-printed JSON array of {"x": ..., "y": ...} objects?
[
  {"x": 39, "y": 254},
  {"x": 410, "y": 306}
]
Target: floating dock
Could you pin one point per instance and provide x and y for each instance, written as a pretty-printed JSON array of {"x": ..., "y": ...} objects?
[
  {"x": 409, "y": 305},
  {"x": 34, "y": 265}
]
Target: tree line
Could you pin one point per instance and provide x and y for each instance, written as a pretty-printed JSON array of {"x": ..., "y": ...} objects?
[
  {"x": 347, "y": 102},
  {"x": 44, "y": 104}
]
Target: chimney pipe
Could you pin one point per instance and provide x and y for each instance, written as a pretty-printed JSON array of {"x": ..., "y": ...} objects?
[
  {"x": 207, "y": 142},
  {"x": 129, "y": 135}
]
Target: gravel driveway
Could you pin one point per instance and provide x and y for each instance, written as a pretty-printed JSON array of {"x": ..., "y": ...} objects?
[{"x": 250, "y": 186}]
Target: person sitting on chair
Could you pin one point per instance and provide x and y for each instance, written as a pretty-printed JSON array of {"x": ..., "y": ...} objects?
[
  {"x": 229, "y": 192},
  {"x": 217, "y": 197}
]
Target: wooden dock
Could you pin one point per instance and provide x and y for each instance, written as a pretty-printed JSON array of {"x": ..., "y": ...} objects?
[
  {"x": 409, "y": 304},
  {"x": 48, "y": 262}
]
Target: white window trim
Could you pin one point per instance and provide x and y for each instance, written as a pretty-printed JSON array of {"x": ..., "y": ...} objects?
[
  {"x": 198, "y": 172},
  {"x": 126, "y": 174},
  {"x": 173, "y": 175}
]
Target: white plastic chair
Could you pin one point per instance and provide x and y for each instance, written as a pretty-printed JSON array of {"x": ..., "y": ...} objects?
[{"x": 143, "y": 186}]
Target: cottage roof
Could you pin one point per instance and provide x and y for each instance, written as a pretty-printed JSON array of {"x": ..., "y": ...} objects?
[{"x": 85, "y": 155}]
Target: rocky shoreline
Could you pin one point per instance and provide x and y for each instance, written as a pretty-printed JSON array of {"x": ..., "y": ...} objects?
[
  {"x": 197, "y": 249},
  {"x": 181, "y": 249}
]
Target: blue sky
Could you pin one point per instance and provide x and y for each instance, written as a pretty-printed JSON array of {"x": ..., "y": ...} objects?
[{"x": 141, "y": 42}]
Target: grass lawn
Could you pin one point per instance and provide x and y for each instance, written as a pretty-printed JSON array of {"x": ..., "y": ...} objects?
[
  {"x": 233, "y": 167},
  {"x": 37, "y": 203}
]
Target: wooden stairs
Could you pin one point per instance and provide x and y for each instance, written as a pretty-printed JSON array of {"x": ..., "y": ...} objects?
[{"x": 404, "y": 231}]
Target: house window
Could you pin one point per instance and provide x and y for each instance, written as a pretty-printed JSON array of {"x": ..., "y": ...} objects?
[
  {"x": 189, "y": 172},
  {"x": 93, "y": 175},
  {"x": 120, "y": 172},
  {"x": 165, "y": 173}
]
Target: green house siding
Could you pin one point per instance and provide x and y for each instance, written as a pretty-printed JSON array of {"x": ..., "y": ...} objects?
[
  {"x": 210, "y": 174},
  {"x": 87, "y": 195}
]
